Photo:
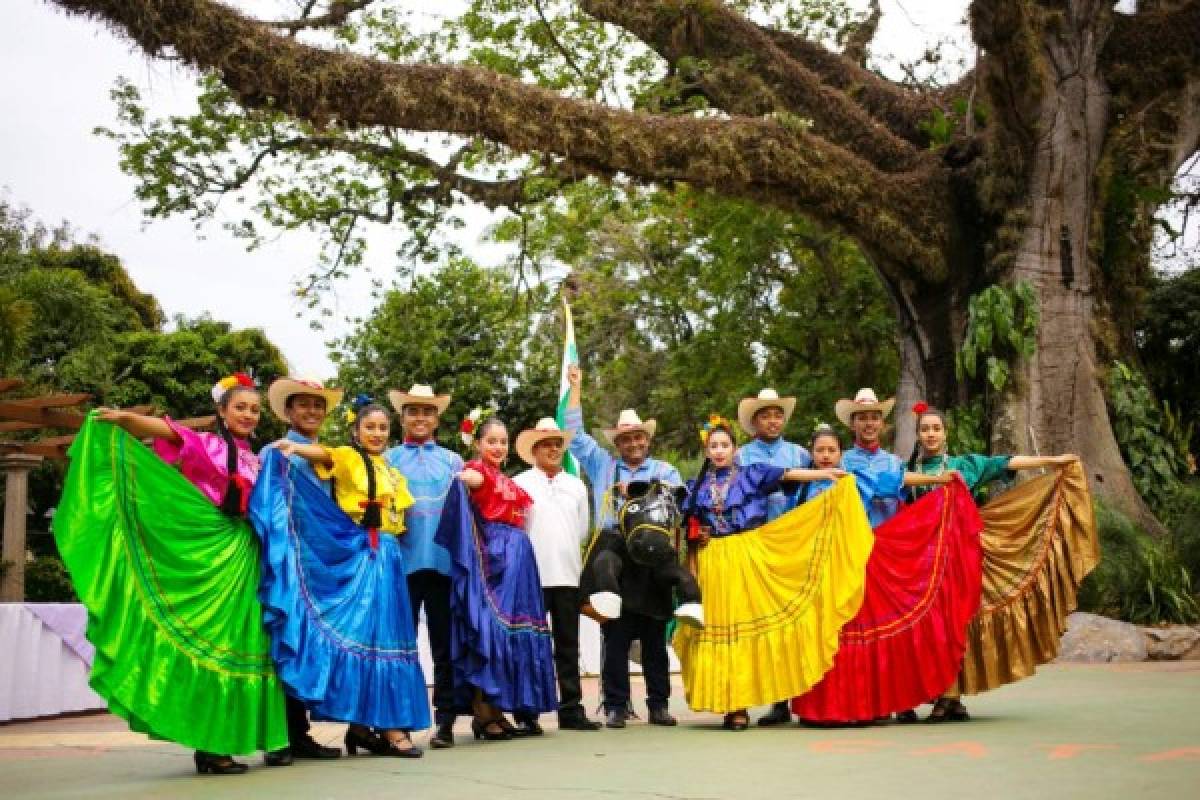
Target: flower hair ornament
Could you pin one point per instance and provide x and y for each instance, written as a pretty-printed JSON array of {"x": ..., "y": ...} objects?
[
  {"x": 357, "y": 404},
  {"x": 714, "y": 421},
  {"x": 920, "y": 407},
  {"x": 228, "y": 382},
  {"x": 470, "y": 424}
]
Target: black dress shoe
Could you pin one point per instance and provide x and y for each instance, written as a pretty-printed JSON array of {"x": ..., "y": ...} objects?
[
  {"x": 310, "y": 748},
  {"x": 443, "y": 737},
  {"x": 214, "y": 764},
  {"x": 779, "y": 714},
  {"x": 616, "y": 718},
  {"x": 578, "y": 722},
  {"x": 660, "y": 716},
  {"x": 282, "y": 757},
  {"x": 527, "y": 727}
]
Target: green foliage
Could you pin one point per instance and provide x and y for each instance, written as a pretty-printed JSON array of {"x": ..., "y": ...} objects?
[
  {"x": 1140, "y": 579},
  {"x": 1002, "y": 324},
  {"x": 966, "y": 429},
  {"x": 1148, "y": 437},
  {"x": 47, "y": 581},
  {"x": 1168, "y": 346}
]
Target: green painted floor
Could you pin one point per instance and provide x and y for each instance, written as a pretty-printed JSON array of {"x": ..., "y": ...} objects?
[{"x": 1120, "y": 731}]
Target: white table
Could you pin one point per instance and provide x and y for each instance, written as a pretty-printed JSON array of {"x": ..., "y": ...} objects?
[{"x": 43, "y": 671}]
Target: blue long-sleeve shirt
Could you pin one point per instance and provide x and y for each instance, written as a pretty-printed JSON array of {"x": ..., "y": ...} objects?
[
  {"x": 604, "y": 469},
  {"x": 880, "y": 477},
  {"x": 429, "y": 470},
  {"x": 300, "y": 464},
  {"x": 778, "y": 453}
]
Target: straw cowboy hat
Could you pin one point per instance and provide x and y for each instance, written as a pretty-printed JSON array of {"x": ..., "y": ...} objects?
[
  {"x": 283, "y": 388},
  {"x": 418, "y": 395},
  {"x": 865, "y": 400},
  {"x": 767, "y": 398},
  {"x": 630, "y": 422},
  {"x": 546, "y": 428}
]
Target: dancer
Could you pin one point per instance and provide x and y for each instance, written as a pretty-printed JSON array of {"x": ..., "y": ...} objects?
[
  {"x": 303, "y": 404},
  {"x": 922, "y": 587},
  {"x": 764, "y": 417},
  {"x": 1000, "y": 557},
  {"x": 500, "y": 644},
  {"x": 430, "y": 470},
  {"x": 337, "y": 608},
  {"x": 168, "y": 569},
  {"x": 558, "y": 527},
  {"x": 878, "y": 472},
  {"x": 641, "y": 610},
  {"x": 774, "y": 593}
]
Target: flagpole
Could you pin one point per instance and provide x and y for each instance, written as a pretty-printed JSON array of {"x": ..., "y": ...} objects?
[{"x": 570, "y": 358}]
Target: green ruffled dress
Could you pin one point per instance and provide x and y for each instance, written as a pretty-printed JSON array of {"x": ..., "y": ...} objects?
[{"x": 170, "y": 584}]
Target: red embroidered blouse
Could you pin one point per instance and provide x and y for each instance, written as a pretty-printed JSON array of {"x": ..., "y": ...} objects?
[{"x": 499, "y": 499}]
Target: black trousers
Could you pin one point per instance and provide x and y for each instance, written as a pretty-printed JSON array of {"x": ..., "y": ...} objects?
[
  {"x": 619, "y": 634},
  {"x": 429, "y": 589},
  {"x": 562, "y": 604},
  {"x": 297, "y": 719}
]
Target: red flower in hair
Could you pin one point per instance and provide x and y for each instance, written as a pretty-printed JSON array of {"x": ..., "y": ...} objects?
[
  {"x": 467, "y": 426},
  {"x": 920, "y": 407},
  {"x": 244, "y": 380}
]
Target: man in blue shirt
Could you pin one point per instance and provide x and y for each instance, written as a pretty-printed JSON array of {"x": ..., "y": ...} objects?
[
  {"x": 429, "y": 470},
  {"x": 303, "y": 404},
  {"x": 609, "y": 476},
  {"x": 764, "y": 417},
  {"x": 876, "y": 469}
]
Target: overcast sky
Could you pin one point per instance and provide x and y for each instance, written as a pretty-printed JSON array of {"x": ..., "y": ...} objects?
[{"x": 58, "y": 71}]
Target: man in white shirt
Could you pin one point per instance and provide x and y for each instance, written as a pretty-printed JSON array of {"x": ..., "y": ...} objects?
[{"x": 557, "y": 524}]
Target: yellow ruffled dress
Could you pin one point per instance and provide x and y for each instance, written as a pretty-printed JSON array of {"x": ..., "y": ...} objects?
[{"x": 775, "y": 598}]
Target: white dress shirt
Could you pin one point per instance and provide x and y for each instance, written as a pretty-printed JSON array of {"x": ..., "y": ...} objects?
[{"x": 557, "y": 523}]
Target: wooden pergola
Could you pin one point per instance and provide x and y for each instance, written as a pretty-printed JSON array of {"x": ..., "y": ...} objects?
[{"x": 20, "y": 457}]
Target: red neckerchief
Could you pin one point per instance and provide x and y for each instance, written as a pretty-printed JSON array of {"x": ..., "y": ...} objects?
[{"x": 870, "y": 448}]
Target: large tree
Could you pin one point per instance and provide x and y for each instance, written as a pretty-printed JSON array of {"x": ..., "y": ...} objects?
[{"x": 1045, "y": 163}]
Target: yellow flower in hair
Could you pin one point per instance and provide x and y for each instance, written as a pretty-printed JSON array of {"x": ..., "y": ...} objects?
[
  {"x": 350, "y": 415},
  {"x": 715, "y": 419}
]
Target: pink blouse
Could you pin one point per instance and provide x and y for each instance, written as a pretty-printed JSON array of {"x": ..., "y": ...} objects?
[{"x": 201, "y": 457}]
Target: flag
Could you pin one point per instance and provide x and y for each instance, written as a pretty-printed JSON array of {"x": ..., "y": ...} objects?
[{"x": 570, "y": 358}]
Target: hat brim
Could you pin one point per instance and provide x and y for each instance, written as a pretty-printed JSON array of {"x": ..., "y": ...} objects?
[
  {"x": 283, "y": 388},
  {"x": 648, "y": 427},
  {"x": 749, "y": 406},
  {"x": 401, "y": 399},
  {"x": 846, "y": 406},
  {"x": 528, "y": 439}
]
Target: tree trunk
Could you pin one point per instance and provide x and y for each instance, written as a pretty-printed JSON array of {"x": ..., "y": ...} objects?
[{"x": 1058, "y": 402}]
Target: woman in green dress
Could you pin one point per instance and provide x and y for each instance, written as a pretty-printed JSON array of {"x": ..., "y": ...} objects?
[{"x": 930, "y": 457}]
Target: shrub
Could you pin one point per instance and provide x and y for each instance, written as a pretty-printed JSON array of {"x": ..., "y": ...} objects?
[{"x": 47, "y": 581}]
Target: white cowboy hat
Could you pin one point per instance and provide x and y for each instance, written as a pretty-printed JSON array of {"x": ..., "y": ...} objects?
[
  {"x": 629, "y": 422},
  {"x": 283, "y": 388},
  {"x": 418, "y": 395},
  {"x": 767, "y": 398},
  {"x": 546, "y": 428},
  {"x": 865, "y": 400}
]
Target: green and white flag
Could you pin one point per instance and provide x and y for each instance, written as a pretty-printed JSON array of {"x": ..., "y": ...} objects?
[{"x": 570, "y": 358}]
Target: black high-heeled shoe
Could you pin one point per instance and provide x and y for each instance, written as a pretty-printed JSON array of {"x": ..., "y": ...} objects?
[
  {"x": 412, "y": 751},
  {"x": 480, "y": 729},
  {"x": 371, "y": 742},
  {"x": 217, "y": 765}
]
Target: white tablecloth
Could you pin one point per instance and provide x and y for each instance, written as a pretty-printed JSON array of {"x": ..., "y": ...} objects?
[{"x": 39, "y": 674}]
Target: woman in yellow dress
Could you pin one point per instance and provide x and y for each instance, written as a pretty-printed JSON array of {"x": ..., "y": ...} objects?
[{"x": 775, "y": 593}]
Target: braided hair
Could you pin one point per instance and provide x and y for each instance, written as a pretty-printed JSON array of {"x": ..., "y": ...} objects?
[
  {"x": 231, "y": 501},
  {"x": 364, "y": 407}
]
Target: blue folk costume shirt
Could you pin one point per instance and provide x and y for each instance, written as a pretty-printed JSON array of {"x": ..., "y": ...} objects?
[
  {"x": 747, "y": 492},
  {"x": 429, "y": 470},
  {"x": 604, "y": 469},
  {"x": 299, "y": 464},
  {"x": 778, "y": 453},
  {"x": 880, "y": 478}
]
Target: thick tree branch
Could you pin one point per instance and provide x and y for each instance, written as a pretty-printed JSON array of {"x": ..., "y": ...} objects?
[
  {"x": 1154, "y": 50},
  {"x": 749, "y": 75},
  {"x": 860, "y": 39},
  {"x": 904, "y": 216}
]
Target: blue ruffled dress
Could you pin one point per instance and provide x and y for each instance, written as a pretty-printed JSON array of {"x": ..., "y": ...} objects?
[
  {"x": 500, "y": 641},
  {"x": 338, "y": 613}
]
